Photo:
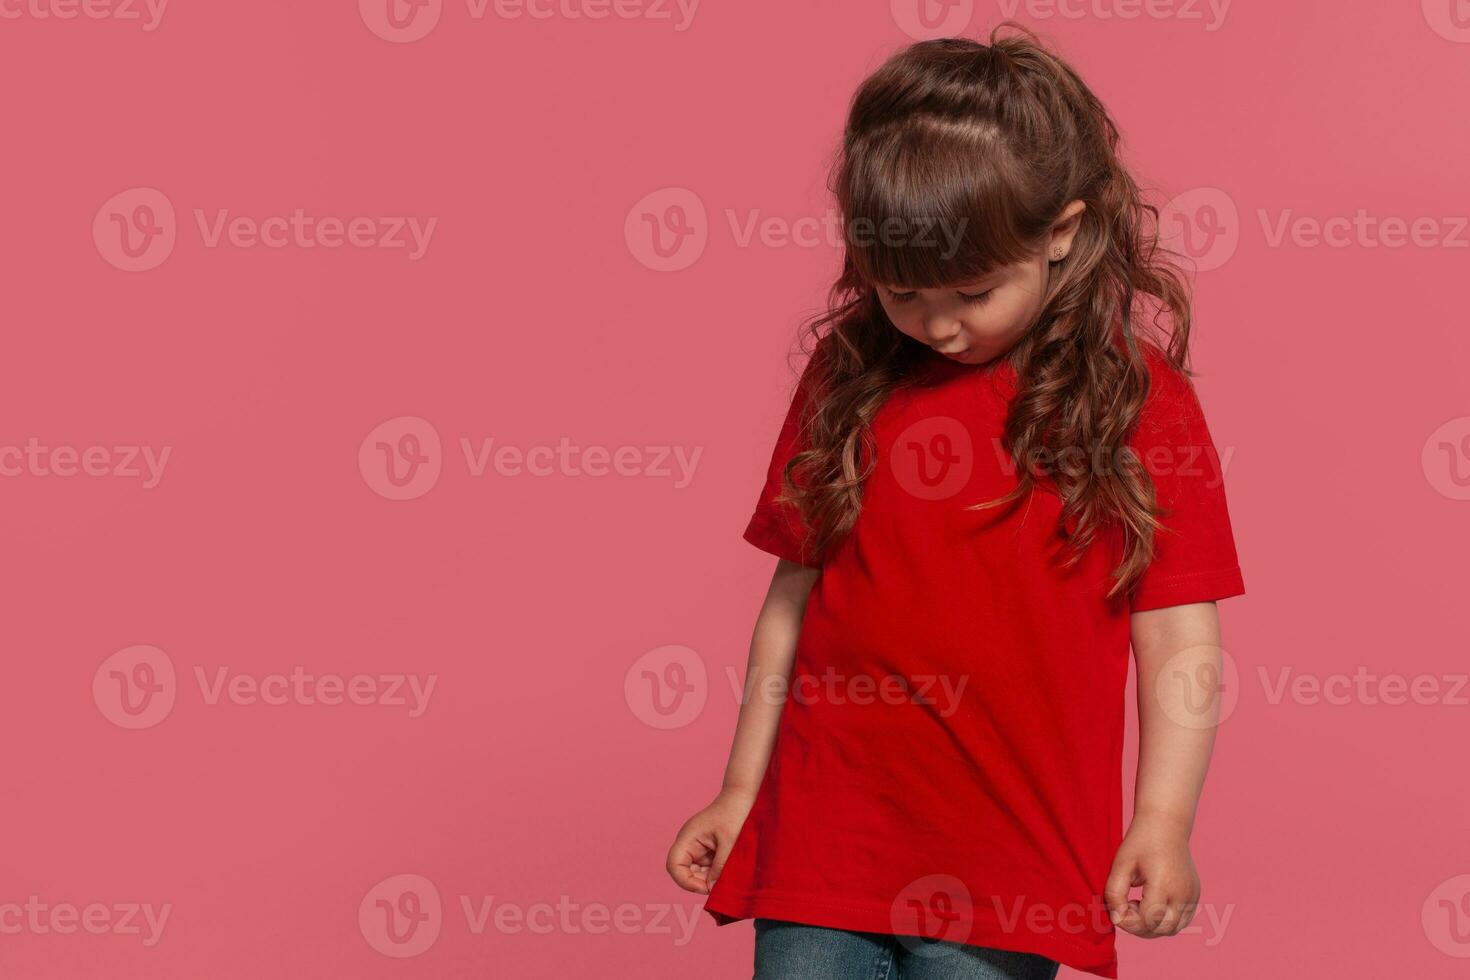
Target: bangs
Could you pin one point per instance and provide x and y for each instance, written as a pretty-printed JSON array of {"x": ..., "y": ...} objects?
[{"x": 931, "y": 210}]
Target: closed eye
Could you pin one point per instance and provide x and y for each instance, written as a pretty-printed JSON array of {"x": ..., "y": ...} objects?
[{"x": 973, "y": 298}]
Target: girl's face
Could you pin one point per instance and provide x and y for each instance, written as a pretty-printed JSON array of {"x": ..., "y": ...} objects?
[
  {"x": 976, "y": 322},
  {"x": 971, "y": 322}
]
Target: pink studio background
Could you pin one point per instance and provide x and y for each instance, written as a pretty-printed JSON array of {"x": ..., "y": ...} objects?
[{"x": 1332, "y": 833}]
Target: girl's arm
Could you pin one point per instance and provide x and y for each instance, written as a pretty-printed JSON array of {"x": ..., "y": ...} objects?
[
  {"x": 1177, "y": 651},
  {"x": 703, "y": 843}
]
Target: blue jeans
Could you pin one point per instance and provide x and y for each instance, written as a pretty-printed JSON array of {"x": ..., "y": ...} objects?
[{"x": 790, "y": 951}]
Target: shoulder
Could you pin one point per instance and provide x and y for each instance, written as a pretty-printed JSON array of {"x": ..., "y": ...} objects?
[{"x": 1172, "y": 406}]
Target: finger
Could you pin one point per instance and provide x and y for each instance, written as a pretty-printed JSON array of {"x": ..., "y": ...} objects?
[
  {"x": 1153, "y": 910},
  {"x": 1173, "y": 912},
  {"x": 1187, "y": 914},
  {"x": 688, "y": 863},
  {"x": 1130, "y": 920},
  {"x": 1115, "y": 893}
]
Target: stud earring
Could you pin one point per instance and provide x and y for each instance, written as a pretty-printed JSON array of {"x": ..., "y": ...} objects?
[{"x": 1057, "y": 253}]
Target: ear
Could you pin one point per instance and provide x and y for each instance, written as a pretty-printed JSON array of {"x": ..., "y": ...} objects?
[{"x": 1064, "y": 229}]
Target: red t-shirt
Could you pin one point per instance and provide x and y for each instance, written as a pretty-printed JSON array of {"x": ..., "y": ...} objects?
[{"x": 948, "y": 761}]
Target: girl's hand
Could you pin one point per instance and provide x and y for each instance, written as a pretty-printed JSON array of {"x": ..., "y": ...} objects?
[
  {"x": 704, "y": 842},
  {"x": 1154, "y": 854}
]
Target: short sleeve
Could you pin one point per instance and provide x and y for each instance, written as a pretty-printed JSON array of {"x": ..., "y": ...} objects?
[
  {"x": 776, "y": 526},
  {"x": 1194, "y": 551}
]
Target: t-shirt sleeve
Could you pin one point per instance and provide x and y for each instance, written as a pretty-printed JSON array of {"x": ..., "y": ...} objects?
[
  {"x": 1194, "y": 551},
  {"x": 776, "y": 526}
]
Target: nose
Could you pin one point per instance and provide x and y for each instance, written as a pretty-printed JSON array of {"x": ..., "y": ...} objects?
[{"x": 941, "y": 330}]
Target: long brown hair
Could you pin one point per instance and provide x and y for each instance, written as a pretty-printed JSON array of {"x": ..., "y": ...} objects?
[{"x": 972, "y": 151}]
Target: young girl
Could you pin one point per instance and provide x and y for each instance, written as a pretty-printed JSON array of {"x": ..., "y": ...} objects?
[{"x": 993, "y": 478}]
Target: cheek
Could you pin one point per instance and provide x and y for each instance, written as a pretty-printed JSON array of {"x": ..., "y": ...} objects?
[
  {"x": 906, "y": 319},
  {"x": 1004, "y": 315}
]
